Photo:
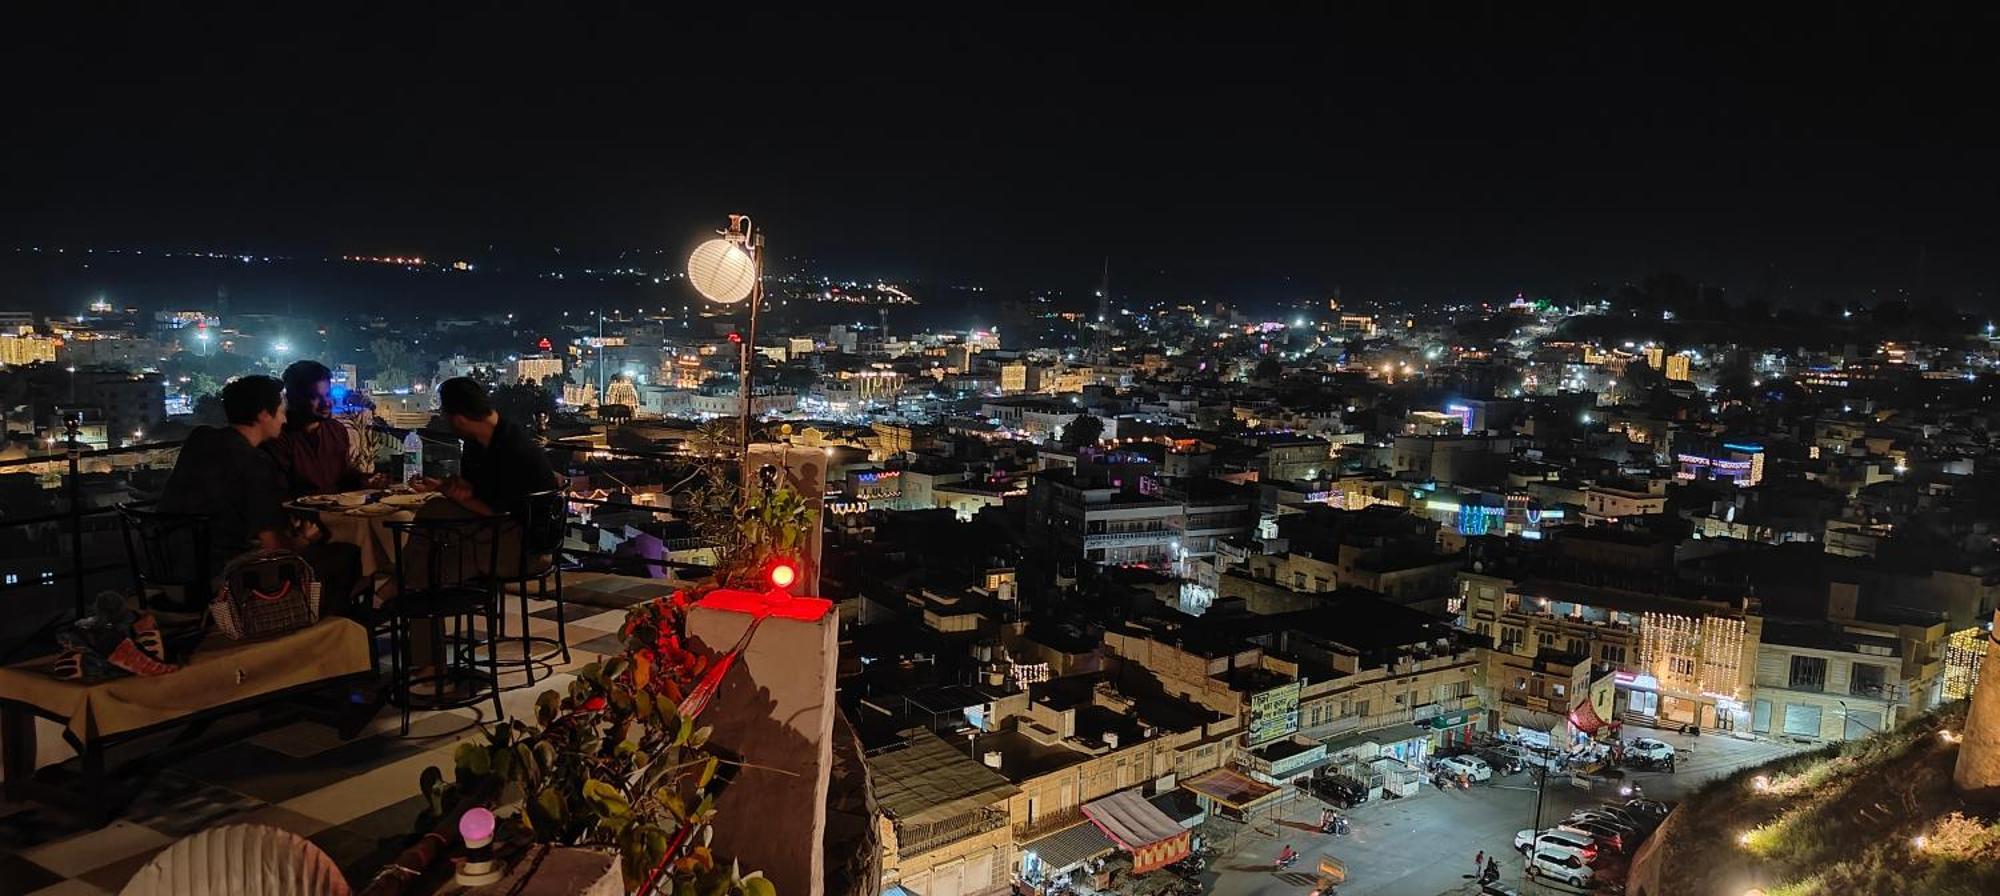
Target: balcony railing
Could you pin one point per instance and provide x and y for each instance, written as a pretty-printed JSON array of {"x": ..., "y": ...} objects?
[
  {"x": 81, "y": 552},
  {"x": 946, "y": 834},
  {"x": 1048, "y": 823},
  {"x": 1114, "y": 539}
]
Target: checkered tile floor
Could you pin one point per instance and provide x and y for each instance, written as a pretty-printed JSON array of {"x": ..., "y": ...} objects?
[{"x": 356, "y": 799}]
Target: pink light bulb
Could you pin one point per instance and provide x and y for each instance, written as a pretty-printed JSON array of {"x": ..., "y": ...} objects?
[{"x": 476, "y": 826}]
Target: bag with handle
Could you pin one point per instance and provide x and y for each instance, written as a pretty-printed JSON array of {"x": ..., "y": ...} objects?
[{"x": 265, "y": 593}]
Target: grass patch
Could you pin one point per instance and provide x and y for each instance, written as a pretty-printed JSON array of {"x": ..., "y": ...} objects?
[{"x": 1877, "y": 815}]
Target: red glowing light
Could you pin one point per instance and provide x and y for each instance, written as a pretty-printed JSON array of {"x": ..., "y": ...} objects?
[
  {"x": 783, "y": 574},
  {"x": 736, "y": 337}
]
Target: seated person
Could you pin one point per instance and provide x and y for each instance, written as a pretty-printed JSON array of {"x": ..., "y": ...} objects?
[
  {"x": 314, "y": 450},
  {"x": 500, "y": 467},
  {"x": 222, "y": 474}
]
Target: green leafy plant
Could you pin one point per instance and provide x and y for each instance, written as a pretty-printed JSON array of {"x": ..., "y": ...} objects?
[{"x": 618, "y": 760}]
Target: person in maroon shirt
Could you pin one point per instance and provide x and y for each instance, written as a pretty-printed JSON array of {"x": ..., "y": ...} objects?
[{"x": 313, "y": 449}]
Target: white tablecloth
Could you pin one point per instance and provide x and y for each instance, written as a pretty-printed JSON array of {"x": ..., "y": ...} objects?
[{"x": 367, "y": 527}]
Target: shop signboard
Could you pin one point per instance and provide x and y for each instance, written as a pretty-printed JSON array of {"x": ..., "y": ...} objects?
[{"x": 1274, "y": 714}]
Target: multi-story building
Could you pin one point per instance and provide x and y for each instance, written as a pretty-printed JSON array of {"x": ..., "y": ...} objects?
[
  {"x": 1286, "y": 457},
  {"x": 1738, "y": 463},
  {"x": 1606, "y": 502},
  {"x": 536, "y": 368},
  {"x": 944, "y": 822},
  {"x": 26, "y": 348},
  {"x": 1084, "y": 516},
  {"x": 127, "y": 403},
  {"x": 1843, "y": 678},
  {"x": 1678, "y": 660}
]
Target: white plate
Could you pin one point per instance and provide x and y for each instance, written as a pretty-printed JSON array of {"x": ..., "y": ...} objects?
[{"x": 411, "y": 500}]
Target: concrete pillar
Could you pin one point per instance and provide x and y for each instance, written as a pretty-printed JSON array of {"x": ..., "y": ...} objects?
[
  {"x": 1978, "y": 772},
  {"x": 774, "y": 711}
]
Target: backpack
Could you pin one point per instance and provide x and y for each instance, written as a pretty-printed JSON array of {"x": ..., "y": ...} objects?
[{"x": 265, "y": 593}]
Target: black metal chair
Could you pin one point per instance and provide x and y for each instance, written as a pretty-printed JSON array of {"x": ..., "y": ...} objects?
[
  {"x": 544, "y": 523},
  {"x": 444, "y": 580},
  {"x": 169, "y": 557}
]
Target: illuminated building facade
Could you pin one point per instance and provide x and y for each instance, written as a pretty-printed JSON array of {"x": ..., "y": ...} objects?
[
  {"x": 1676, "y": 662},
  {"x": 1739, "y": 463}
]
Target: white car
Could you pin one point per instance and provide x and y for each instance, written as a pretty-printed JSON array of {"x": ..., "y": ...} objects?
[
  {"x": 1470, "y": 766},
  {"x": 1562, "y": 865},
  {"x": 1651, "y": 749},
  {"x": 1553, "y": 840}
]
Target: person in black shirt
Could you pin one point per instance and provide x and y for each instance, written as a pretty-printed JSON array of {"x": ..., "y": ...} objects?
[
  {"x": 501, "y": 465},
  {"x": 499, "y": 468},
  {"x": 222, "y": 474}
]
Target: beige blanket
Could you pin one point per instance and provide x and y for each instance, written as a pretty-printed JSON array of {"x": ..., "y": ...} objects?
[{"x": 222, "y": 672}]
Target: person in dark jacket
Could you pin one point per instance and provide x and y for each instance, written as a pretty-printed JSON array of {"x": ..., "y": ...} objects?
[{"x": 222, "y": 474}]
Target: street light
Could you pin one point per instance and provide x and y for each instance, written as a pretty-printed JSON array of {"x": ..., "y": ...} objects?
[{"x": 727, "y": 270}]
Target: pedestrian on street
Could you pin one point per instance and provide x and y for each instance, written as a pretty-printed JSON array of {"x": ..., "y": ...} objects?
[
  {"x": 1492, "y": 872},
  {"x": 1479, "y": 863}
]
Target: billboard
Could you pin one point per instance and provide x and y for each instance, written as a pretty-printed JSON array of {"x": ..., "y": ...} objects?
[{"x": 1274, "y": 714}]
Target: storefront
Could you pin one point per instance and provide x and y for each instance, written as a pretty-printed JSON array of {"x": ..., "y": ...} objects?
[
  {"x": 1638, "y": 694},
  {"x": 1231, "y": 795},
  {"x": 1050, "y": 857},
  {"x": 1453, "y": 728}
]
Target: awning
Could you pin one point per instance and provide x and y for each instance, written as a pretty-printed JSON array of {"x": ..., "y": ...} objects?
[
  {"x": 1130, "y": 821},
  {"x": 1585, "y": 718},
  {"x": 1228, "y": 788},
  {"x": 1070, "y": 847}
]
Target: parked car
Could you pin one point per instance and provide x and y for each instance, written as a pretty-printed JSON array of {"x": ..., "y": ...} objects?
[
  {"x": 1628, "y": 836},
  {"x": 1601, "y": 816},
  {"x": 1653, "y": 809},
  {"x": 1624, "y": 816},
  {"x": 1562, "y": 865},
  {"x": 1555, "y": 838},
  {"x": 1607, "y": 837},
  {"x": 1340, "y": 790},
  {"x": 1649, "y": 748},
  {"x": 1505, "y": 761},
  {"x": 1541, "y": 757},
  {"x": 1470, "y": 766}
]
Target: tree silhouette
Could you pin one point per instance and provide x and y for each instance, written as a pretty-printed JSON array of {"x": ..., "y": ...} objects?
[{"x": 1086, "y": 429}]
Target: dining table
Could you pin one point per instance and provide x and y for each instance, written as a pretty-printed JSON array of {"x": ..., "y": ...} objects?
[{"x": 362, "y": 517}]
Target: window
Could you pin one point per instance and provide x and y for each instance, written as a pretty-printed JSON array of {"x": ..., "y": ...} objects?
[
  {"x": 1868, "y": 680},
  {"x": 1299, "y": 581},
  {"x": 1682, "y": 666},
  {"x": 1808, "y": 674},
  {"x": 1612, "y": 653},
  {"x": 1361, "y": 708},
  {"x": 1545, "y": 639}
]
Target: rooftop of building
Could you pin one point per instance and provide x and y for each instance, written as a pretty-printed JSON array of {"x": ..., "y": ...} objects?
[{"x": 926, "y": 779}]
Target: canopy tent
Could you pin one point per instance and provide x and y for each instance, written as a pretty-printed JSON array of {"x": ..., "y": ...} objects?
[
  {"x": 1069, "y": 847},
  {"x": 1227, "y": 788},
  {"x": 1140, "y": 828}
]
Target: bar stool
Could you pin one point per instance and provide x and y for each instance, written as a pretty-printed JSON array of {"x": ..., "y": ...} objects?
[
  {"x": 445, "y": 583},
  {"x": 544, "y": 524}
]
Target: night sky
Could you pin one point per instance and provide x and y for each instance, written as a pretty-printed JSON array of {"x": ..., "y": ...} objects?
[{"x": 1457, "y": 152}]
